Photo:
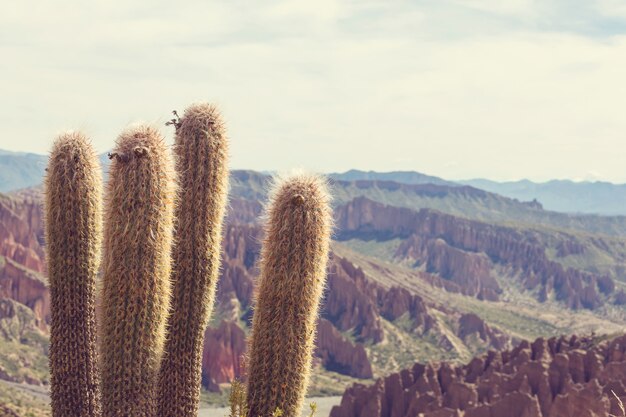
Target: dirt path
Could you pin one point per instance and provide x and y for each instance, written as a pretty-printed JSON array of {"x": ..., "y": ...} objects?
[{"x": 41, "y": 393}]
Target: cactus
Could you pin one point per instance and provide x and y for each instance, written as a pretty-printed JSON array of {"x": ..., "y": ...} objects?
[
  {"x": 143, "y": 373},
  {"x": 201, "y": 163},
  {"x": 136, "y": 266},
  {"x": 73, "y": 212},
  {"x": 293, "y": 271}
]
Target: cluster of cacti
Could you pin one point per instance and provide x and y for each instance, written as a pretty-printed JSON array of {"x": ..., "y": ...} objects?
[{"x": 161, "y": 253}]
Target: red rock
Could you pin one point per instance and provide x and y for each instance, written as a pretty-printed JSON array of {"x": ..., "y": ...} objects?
[
  {"x": 587, "y": 401},
  {"x": 460, "y": 396},
  {"x": 361, "y": 401},
  {"x": 620, "y": 298},
  {"x": 515, "y": 404},
  {"x": 26, "y": 287},
  {"x": 451, "y": 247},
  {"x": 351, "y": 301},
  {"x": 548, "y": 378},
  {"x": 21, "y": 231},
  {"x": 444, "y": 412},
  {"x": 339, "y": 354},
  {"x": 470, "y": 271},
  {"x": 222, "y": 356},
  {"x": 470, "y": 324}
]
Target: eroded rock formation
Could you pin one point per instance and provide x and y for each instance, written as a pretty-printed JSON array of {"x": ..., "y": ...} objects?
[
  {"x": 222, "y": 357},
  {"x": 27, "y": 287},
  {"x": 340, "y": 355},
  {"x": 558, "y": 377},
  {"x": 21, "y": 230},
  {"x": 462, "y": 251}
]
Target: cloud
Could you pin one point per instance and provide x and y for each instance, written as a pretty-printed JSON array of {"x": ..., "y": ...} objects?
[
  {"x": 503, "y": 89},
  {"x": 612, "y": 8},
  {"x": 508, "y": 7}
]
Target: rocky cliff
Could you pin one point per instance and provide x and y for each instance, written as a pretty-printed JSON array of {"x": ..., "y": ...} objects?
[
  {"x": 465, "y": 252},
  {"x": 338, "y": 354},
  {"x": 557, "y": 377},
  {"x": 21, "y": 230},
  {"x": 355, "y": 302},
  {"x": 27, "y": 287},
  {"x": 222, "y": 357}
]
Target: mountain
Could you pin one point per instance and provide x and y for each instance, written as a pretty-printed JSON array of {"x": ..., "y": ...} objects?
[
  {"x": 473, "y": 254},
  {"x": 472, "y": 203},
  {"x": 462, "y": 201},
  {"x": 418, "y": 272},
  {"x": 404, "y": 177},
  {"x": 20, "y": 170},
  {"x": 582, "y": 197},
  {"x": 562, "y": 195}
]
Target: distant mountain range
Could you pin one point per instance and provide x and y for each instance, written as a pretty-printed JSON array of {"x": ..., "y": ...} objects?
[
  {"x": 404, "y": 177},
  {"x": 21, "y": 170},
  {"x": 557, "y": 195},
  {"x": 562, "y": 195}
]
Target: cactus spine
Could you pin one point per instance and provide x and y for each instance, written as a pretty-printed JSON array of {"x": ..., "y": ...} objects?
[
  {"x": 73, "y": 212},
  {"x": 136, "y": 266},
  {"x": 201, "y": 163},
  {"x": 293, "y": 272}
]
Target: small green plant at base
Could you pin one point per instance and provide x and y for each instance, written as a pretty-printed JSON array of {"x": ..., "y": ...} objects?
[{"x": 237, "y": 400}]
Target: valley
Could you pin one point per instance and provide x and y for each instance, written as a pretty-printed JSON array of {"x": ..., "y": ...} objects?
[{"x": 418, "y": 273}]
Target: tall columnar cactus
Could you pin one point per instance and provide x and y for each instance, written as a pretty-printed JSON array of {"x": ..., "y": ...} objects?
[
  {"x": 136, "y": 267},
  {"x": 136, "y": 274},
  {"x": 73, "y": 212},
  {"x": 201, "y": 163},
  {"x": 293, "y": 272}
]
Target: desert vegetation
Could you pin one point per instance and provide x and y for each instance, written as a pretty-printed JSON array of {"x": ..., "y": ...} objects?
[{"x": 160, "y": 256}]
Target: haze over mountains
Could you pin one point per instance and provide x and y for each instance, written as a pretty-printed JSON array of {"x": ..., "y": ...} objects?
[
  {"x": 597, "y": 197},
  {"x": 22, "y": 170}
]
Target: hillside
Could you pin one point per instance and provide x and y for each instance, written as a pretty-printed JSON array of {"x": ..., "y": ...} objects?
[
  {"x": 462, "y": 201},
  {"x": 428, "y": 282}
]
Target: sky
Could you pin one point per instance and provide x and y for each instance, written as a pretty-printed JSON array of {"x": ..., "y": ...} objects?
[{"x": 499, "y": 89}]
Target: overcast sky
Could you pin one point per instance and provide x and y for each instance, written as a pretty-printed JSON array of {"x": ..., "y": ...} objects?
[{"x": 503, "y": 89}]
